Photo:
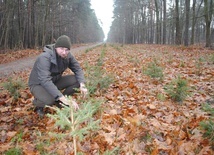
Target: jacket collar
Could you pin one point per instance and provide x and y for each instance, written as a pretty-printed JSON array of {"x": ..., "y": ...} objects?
[
  {"x": 53, "y": 58},
  {"x": 52, "y": 51}
]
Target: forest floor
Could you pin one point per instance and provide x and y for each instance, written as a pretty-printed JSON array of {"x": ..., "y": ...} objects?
[{"x": 138, "y": 116}]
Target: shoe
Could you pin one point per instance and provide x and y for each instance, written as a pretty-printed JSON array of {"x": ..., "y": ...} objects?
[
  {"x": 40, "y": 111},
  {"x": 58, "y": 105}
]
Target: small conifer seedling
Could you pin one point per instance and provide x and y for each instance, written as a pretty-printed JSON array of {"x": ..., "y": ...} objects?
[
  {"x": 154, "y": 71},
  {"x": 177, "y": 89},
  {"x": 14, "y": 87},
  {"x": 78, "y": 123},
  {"x": 208, "y": 125}
]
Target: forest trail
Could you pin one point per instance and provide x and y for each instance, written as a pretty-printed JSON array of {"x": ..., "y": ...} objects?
[{"x": 27, "y": 63}]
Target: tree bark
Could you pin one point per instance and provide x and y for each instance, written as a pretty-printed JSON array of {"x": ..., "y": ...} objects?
[
  {"x": 177, "y": 21},
  {"x": 186, "y": 34},
  {"x": 193, "y": 23},
  {"x": 164, "y": 21},
  {"x": 208, "y": 16},
  {"x": 157, "y": 22},
  {"x": 8, "y": 25},
  {"x": 29, "y": 26},
  {"x": 47, "y": 9}
]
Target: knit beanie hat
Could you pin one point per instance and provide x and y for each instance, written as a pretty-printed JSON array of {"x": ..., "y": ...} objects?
[{"x": 63, "y": 41}]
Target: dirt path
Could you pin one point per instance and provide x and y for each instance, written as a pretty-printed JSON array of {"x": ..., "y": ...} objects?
[{"x": 27, "y": 63}]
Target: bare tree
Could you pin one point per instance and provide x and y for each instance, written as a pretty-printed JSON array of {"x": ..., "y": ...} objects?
[
  {"x": 186, "y": 34},
  {"x": 152, "y": 21},
  {"x": 208, "y": 11},
  {"x": 194, "y": 19},
  {"x": 33, "y": 23},
  {"x": 177, "y": 23},
  {"x": 157, "y": 22},
  {"x": 164, "y": 21}
]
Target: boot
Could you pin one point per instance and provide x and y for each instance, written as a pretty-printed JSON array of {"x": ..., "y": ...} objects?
[{"x": 40, "y": 111}]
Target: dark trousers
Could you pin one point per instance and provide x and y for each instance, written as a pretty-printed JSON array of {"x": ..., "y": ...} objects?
[{"x": 66, "y": 84}]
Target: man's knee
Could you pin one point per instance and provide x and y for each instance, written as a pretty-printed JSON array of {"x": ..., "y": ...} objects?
[{"x": 42, "y": 97}]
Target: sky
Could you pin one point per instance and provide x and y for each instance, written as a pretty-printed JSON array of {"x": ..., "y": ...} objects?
[{"x": 104, "y": 12}]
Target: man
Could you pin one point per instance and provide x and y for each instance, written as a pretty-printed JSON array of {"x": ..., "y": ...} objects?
[{"x": 46, "y": 82}]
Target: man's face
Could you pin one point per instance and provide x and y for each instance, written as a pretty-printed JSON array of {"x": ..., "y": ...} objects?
[{"x": 62, "y": 51}]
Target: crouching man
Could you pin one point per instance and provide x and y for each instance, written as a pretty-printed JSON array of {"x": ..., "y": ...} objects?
[{"x": 46, "y": 82}]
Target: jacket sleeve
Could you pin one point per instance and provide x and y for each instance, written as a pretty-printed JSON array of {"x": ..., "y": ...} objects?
[
  {"x": 44, "y": 76},
  {"x": 75, "y": 67}
]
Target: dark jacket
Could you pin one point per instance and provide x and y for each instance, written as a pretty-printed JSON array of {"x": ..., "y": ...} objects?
[{"x": 49, "y": 67}]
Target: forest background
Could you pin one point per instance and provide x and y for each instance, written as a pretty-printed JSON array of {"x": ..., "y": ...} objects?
[{"x": 34, "y": 23}]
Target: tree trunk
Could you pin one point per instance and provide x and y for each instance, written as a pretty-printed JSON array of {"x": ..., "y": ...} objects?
[
  {"x": 157, "y": 22},
  {"x": 7, "y": 27},
  {"x": 164, "y": 21},
  {"x": 45, "y": 22},
  {"x": 20, "y": 25},
  {"x": 29, "y": 26},
  {"x": 33, "y": 24},
  {"x": 193, "y": 23},
  {"x": 177, "y": 21},
  {"x": 186, "y": 34},
  {"x": 151, "y": 33},
  {"x": 208, "y": 17},
  {"x": 2, "y": 25}
]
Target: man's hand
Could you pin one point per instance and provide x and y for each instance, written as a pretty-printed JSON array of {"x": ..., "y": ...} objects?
[
  {"x": 83, "y": 90},
  {"x": 66, "y": 102},
  {"x": 75, "y": 105}
]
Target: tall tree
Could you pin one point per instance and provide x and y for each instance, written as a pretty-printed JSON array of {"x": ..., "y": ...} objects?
[
  {"x": 33, "y": 23},
  {"x": 177, "y": 23},
  {"x": 157, "y": 22},
  {"x": 195, "y": 15},
  {"x": 144, "y": 21},
  {"x": 7, "y": 27},
  {"x": 150, "y": 23},
  {"x": 186, "y": 34},
  {"x": 164, "y": 21},
  {"x": 208, "y": 13},
  {"x": 45, "y": 21},
  {"x": 193, "y": 22}
]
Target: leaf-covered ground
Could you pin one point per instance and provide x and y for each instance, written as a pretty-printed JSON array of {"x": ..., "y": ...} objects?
[{"x": 134, "y": 118}]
